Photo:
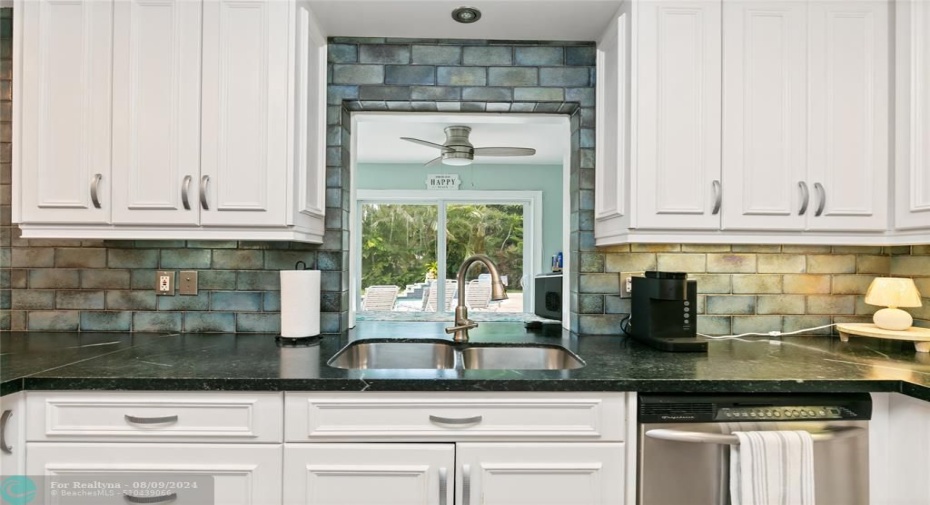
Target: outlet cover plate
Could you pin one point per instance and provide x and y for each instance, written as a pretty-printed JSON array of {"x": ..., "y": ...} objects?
[
  {"x": 626, "y": 283},
  {"x": 188, "y": 282},
  {"x": 164, "y": 283}
]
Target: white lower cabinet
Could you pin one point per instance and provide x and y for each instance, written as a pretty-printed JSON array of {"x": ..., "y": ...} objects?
[
  {"x": 429, "y": 474},
  {"x": 241, "y": 474},
  {"x": 899, "y": 447},
  {"x": 368, "y": 474},
  {"x": 539, "y": 473},
  {"x": 328, "y": 448},
  {"x": 12, "y": 434}
]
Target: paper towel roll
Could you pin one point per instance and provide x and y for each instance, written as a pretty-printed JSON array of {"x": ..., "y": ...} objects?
[{"x": 300, "y": 303}]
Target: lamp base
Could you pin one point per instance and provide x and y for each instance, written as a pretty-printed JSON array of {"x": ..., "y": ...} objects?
[{"x": 892, "y": 319}]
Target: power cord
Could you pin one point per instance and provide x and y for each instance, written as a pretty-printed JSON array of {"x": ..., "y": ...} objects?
[{"x": 774, "y": 333}]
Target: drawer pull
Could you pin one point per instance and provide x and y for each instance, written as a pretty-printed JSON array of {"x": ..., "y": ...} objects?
[
  {"x": 806, "y": 197},
  {"x": 4, "y": 418},
  {"x": 442, "y": 486},
  {"x": 94, "y": 185},
  {"x": 466, "y": 484},
  {"x": 203, "y": 192},
  {"x": 151, "y": 420},
  {"x": 150, "y": 499},
  {"x": 823, "y": 198},
  {"x": 452, "y": 420},
  {"x": 185, "y": 189},
  {"x": 718, "y": 198}
]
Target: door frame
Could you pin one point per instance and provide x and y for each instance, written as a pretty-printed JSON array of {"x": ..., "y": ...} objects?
[{"x": 532, "y": 228}]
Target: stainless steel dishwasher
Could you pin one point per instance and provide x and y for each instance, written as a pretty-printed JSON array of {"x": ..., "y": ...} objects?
[{"x": 684, "y": 443}]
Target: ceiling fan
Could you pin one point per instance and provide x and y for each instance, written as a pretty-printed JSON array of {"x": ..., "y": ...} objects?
[{"x": 457, "y": 150}]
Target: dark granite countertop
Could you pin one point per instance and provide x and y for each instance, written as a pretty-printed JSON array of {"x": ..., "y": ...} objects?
[{"x": 212, "y": 362}]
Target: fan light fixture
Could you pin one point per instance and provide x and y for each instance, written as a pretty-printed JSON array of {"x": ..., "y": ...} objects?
[
  {"x": 466, "y": 15},
  {"x": 458, "y": 151}
]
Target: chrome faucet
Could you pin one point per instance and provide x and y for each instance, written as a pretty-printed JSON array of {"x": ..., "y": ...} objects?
[{"x": 462, "y": 323}]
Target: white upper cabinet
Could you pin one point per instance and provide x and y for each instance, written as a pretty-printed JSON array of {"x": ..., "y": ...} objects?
[
  {"x": 245, "y": 97},
  {"x": 806, "y": 96},
  {"x": 62, "y": 62},
  {"x": 912, "y": 109},
  {"x": 156, "y": 112},
  {"x": 203, "y": 120},
  {"x": 677, "y": 77},
  {"x": 750, "y": 121},
  {"x": 849, "y": 82},
  {"x": 764, "y": 115}
]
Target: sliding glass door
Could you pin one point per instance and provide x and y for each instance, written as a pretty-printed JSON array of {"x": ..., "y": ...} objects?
[{"x": 411, "y": 252}]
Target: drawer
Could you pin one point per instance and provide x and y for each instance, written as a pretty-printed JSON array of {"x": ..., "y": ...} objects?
[
  {"x": 162, "y": 416},
  {"x": 454, "y": 416},
  {"x": 175, "y": 474}
]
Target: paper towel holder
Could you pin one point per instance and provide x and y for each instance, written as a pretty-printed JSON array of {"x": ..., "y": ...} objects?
[{"x": 282, "y": 341}]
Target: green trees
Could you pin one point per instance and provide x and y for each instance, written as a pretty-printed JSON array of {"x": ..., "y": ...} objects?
[{"x": 399, "y": 242}]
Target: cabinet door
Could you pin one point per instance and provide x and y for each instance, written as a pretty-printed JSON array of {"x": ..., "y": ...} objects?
[
  {"x": 912, "y": 120},
  {"x": 765, "y": 115},
  {"x": 677, "y": 118},
  {"x": 63, "y": 122},
  {"x": 244, "y": 162},
  {"x": 156, "y": 112},
  {"x": 540, "y": 474},
  {"x": 368, "y": 474},
  {"x": 907, "y": 441},
  {"x": 242, "y": 474},
  {"x": 12, "y": 434},
  {"x": 611, "y": 182},
  {"x": 849, "y": 83}
]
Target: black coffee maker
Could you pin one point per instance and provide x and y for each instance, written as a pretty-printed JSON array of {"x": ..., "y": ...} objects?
[{"x": 664, "y": 313}]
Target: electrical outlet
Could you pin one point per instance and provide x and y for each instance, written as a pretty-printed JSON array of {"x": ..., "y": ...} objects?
[
  {"x": 188, "y": 282},
  {"x": 164, "y": 283},
  {"x": 626, "y": 283}
]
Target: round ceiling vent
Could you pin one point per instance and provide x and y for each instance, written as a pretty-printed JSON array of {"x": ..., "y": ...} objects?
[{"x": 466, "y": 14}]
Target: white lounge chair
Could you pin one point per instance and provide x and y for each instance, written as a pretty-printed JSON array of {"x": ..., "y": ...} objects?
[
  {"x": 379, "y": 298},
  {"x": 478, "y": 295},
  {"x": 429, "y": 299}
]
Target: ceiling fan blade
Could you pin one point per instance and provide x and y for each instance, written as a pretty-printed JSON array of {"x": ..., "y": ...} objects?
[
  {"x": 433, "y": 162},
  {"x": 424, "y": 143},
  {"x": 504, "y": 151}
]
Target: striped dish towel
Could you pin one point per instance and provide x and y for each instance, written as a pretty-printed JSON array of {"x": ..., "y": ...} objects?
[{"x": 772, "y": 468}]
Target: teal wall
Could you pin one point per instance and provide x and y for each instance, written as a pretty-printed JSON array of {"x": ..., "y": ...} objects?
[{"x": 545, "y": 178}]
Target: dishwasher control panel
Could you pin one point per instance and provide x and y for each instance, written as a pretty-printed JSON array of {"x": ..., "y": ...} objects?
[
  {"x": 698, "y": 408},
  {"x": 779, "y": 413}
]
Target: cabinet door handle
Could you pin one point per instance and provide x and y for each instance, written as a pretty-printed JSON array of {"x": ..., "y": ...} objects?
[
  {"x": 805, "y": 197},
  {"x": 94, "y": 184},
  {"x": 151, "y": 420},
  {"x": 453, "y": 420},
  {"x": 185, "y": 190},
  {"x": 466, "y": 484},
  {"x": 718, "y": 197},
  {"x": 442, "y": 486},
  {"x": 3, "y": 420},
  {"x": 823, "y": 198},
  {"x": 150, "y": 499},
  {"x": 203, "y": 192}
]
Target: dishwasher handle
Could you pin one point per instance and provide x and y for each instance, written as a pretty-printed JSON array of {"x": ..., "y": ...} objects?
[{"x": 719, "y": 438}]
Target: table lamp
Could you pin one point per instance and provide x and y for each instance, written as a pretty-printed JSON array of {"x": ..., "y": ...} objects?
[{"x": 893, "y": 292}]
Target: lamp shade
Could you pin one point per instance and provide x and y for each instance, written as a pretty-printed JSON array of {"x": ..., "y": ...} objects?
[{"x": 893, "y": 292}]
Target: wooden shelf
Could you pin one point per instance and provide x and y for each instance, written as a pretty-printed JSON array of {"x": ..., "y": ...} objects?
[{"x": 920, "y": 336}]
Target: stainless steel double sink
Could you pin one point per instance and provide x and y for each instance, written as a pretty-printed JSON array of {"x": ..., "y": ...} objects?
[{"x": 442, "y": 354}]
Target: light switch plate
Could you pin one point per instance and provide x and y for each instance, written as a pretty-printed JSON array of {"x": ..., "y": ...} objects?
[
  {"x": 188, "y": 282},
  {"x": 164, "y": 283}
]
